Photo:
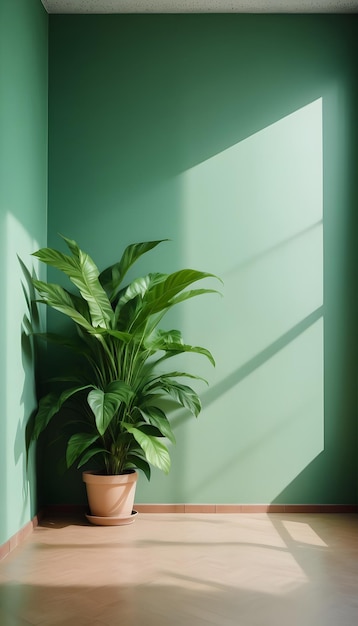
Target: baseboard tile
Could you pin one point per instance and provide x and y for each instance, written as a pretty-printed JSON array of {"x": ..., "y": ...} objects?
[
  {"x": 68, "y": 510},
  {"x": 19, "y": 537},
  {"x": 77, "y": 509},
  {"x": 246, "y": 508}
]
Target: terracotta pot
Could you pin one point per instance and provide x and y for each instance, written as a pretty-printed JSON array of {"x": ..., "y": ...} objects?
[{"x": 110, "y": 496}]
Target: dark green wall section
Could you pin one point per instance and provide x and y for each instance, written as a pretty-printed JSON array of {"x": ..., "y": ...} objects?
[
  {"x": 234, "y": 136},
  {"x": 23, "y": 218}
]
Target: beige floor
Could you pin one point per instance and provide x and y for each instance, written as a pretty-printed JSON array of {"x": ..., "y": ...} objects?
[{"x": 186, "y": 569}]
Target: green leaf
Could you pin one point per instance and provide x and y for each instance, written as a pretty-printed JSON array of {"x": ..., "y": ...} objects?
[
  {"x": 170, "y": 375},
  {"x": 77, "y": 444},
  {"x": 161, "y": 339},
  {"x": 140, "y": 286},
  {"x": 173, "y": 350},
  {"x": 80, "y": 305},
  {"x": 156, "y": 417},
  {"x": 182, "y": 394},
  {"x": 68, "y": 393},
  {"x": 73, "y": 344},
  {"x": 162, "y": 293},
  {"x": 155, "y": 451},
  {"x": 112, "y": 277},
  {"x": 83, "y": 273},
  {"x": 90, "y": 454},
  {"x": 56, "y": 259},
  {"x": 57, "y": 298},
  {"x": 118, "y": 334},
  {"x": 49, "y": 405},
  {"x": 130, "y": 301},
  {"x": 191, "y": 293},
  {"x": 171, "y": 342},
  {"x": 136, "y": 461},
  {"x": 85, "y": 276},
  {"x": 104, "y": 407},
  {"x": 105, "y": 404}
]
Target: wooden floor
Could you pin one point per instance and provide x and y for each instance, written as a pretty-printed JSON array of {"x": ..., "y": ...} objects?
[{"x": 186, "y": 569}]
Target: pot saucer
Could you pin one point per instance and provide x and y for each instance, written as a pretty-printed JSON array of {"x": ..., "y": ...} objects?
[{"x": 119, "y": 520}]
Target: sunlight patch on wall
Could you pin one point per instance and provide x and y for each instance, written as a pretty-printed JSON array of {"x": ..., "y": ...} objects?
[
  {"x": 19, "y": 374},
  {"x": 253, "y": 215}
]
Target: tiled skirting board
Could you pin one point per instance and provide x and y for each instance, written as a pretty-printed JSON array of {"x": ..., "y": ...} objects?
[
  {"x": 19, "y": 537},
  {"x": 246, "y": 508},
  {"x": 216, "y": 508}
]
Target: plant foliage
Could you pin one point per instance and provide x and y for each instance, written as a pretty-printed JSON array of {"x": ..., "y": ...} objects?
[{"x": 119, "y": 415}]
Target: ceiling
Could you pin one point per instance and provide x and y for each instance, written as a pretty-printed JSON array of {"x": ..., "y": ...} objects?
[{"x": 201, "y": 6}]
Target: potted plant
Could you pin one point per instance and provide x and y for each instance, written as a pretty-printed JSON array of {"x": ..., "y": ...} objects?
[{"x": 115, "y": 394}]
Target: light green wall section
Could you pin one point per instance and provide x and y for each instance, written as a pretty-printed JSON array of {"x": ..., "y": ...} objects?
[
  {"x": 23, "y": 218},
  {"x": 233, "y": 136}
]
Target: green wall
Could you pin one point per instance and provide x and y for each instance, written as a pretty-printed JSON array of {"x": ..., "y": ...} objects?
[
  {"x": 23, "y": 215},
  {"x": 235, "y": 137}
]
